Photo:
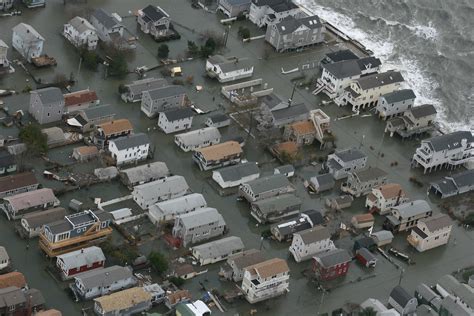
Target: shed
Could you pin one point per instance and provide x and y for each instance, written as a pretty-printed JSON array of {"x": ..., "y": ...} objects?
[
  {"x": 364, "y": 242},
  {"x": 366, "y": 258},
  {"x": 360, "y": 221},
  {"x": 121, "y": 214},
  {"x": 287, "y": 170},
  {"x": 382, "y": 238},
  {"x": 75, "y": 205}
]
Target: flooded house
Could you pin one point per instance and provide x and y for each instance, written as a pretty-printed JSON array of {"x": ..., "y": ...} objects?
[
  {"x": 219, "y": 155},
  {"x": 18, "y": 183},
  {"x": 129, "y": 149},
  {"x": 234, "y": 8},
  {"x": 264, "y": 13},
  {"x": 143, "y": 174},
  {"x": 321, "y": 183},
  {"x": 217, "y": 250},
  {"x": 4, "y": 259},
  {"x": 233, "y": 176},
  {"x": 382, "y": 198},
  {"x": 147, "y": 194},
  {"x": 55, "y": 137},
  {"x": 284, "y": 231},
  {"x": 403, "y": 302},
  {"x": 86, "y": 120},
  {"x": 80, "y": 33},
  {"x": 364, "y": 242},
  {"x": 365, "y": 91},
  {"x": 17, "y": 205},
  {"x": 175, "y": 120},
  {"x": 27, "y": 41},
  {"x": 445, "y": 151},
  {"x": 301, "y": 132},
  {"x": 227, "y": 69},
  {"x": 127, "y": 302},
  {"x": 75, "y": 231},
  {"x": 294, "y": 33},
  {"x": 382, "y": 237},
  {"x": 85, "y": 153},
  {"x": 265, "y": 280},
  {"x": 111, "y": 130},
  {"x": 154, "y": 20},
  {"x": 101, "y": 282},
  {"x": 198, "y": 226},
  {"x": 265, "y": 187},
  {"x": 133, "y": 92},
  {"x": 337, "y": 76},
  {"x": 235, "y": 265},
  {"x": 165, "y": 211},
  {"x": 309, "y": 242},
  {"x": 108, "y": 27},
  {"x": 288, "y": 115},
  {"x": 340, "y": 202},
  {"x": 430, "y": 232},
  {"x": 417, "y": 120},
  {"x": 362, "y": 182},
  {"x": 80, "y": 100},
  {"x": 459, "y": 183},
  {"x": 162, "y": 99},
  {"x": 74, "y": 263},
  {"x": 331, "y": 264},
  {"x": 197, "y": 139},
  {"x": 218, "y": 120},
  {"x": 32, "y": 224},
  {"x": 16, "y": 301},
  {"x": 286, "y": 170},
  {"x": 342, "y": 162},
  {"x": 7, "y": 162},
  {"x": 395, "y": 103},
  {"x": 405, "y": 216},
  {"x": 47, "y": 105},
  {"x": 276, "y": 208}
]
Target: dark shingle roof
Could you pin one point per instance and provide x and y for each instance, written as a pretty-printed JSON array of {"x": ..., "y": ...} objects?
[
  {"x": 378, "y": 80},
  {"x": 6, "y": 159},
  {"x": 340, "y": 55},
  {"x": 334, "y": 257},
  {"x": 49, "y": 95},
  {"x": 314, "y": 234},
  {"x": 132, "y": 140},
  {"x": 154, "y": 13},
  {"x": 166, "y": 92},
  {"x": 237, "y": 172},
  {"x": 450, "y": 141},
  {"x": 98, "y": 111},
  {"x": 350, "y": 154},
  {"x": 291, "y": 111},
  {"x": 400, "y": 296},
  {"x": 290, "y": 24},
  {"x": 399, "y": 95},
  {"x": 276, "y": 5},
  {"x": 352, "y": 67},
  {"x": 423, "y": 110},
  {"x": 105, "y": 18},
  {"x": 20, "y": 180},
  {"x": 219, "y": 117},
  {"x": 268, "y": 183},
  {"x": 370, "y": 174},
  {"x": 178, "y": 114}
]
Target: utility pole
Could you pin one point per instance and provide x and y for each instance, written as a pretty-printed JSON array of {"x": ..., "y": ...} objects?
[
  {"x": 290, "y": 100},
  {"x": 226, "y": 34},
  {"x": 402, "y": 271}
]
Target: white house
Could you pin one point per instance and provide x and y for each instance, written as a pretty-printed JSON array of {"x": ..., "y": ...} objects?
[
  {"x": 365, "y": 91},
  {"x": 307, "y": 243},
  {"x": 108, "y": 27},
  {"x": 395, "y": 103},
  {"x": 449, "y": 151},
  {"x": 147, "y": 194},
  {"x": 27, "y": 41},
  {"x": 129, "y": 149},
  {"x": 175, "y": 120},
  {"x": 236, "y": 175},
  {"x": 218, "y": 250},
  {"x": 266, "y": 280},
  {"x": 341, "y": 163},
  {"x": 382, "y": 198},
  {"x": 196, "y": 139},
  {"x": 266, "y": 12},
  {"x": 154, "y": 20},
  {"x": 431, "y": 232},
  {"x": 227, "y": 69},
  {"x": 81, "y": 33},
  {"x": 337, "y": 76},
  {"x": 162, "y": 99},
  {"x": 168, "y": 210},
  {"x": 403, "y": 302}
]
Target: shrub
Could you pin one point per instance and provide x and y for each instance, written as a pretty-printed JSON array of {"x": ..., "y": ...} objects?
[
  {"x": 243, "y": 32},
  {"x": 34, "y": 139},
  {"x": 163, "y": 51},
  {"x": 158, "y": 262}
]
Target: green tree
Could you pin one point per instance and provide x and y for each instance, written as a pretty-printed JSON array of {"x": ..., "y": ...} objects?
[
  {"x": 177, "y": 281},
  {"x": 90, "y": 60},
  {"x": 369, "y": 311},
  {"x": 34, "y": 139},
  {"x": 163, "y": 51},
  {"x": 158, "y": 262},
  {"x": 243, "y": 32},
  {"x": 208, "y": 48},
  {"x": 118, "y": 65},
  {"x": 193, "y": 49}
]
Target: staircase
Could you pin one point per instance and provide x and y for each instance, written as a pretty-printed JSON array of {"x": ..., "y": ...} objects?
[
  {"x": 339, "y": 99},
  {"x": 319, "y": 87}
]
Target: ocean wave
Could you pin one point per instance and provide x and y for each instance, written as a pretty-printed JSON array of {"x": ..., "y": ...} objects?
[{"x": 422, "y": 84}]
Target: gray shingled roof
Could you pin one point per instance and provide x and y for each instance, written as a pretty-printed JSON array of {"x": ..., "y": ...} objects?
[
  {"x": 325, "y": 181},
  {"x": 268, "y": 183},
  {"x": 277, "y": 203},
  {"x": 154, "y": 170},
  {"x": 350, "y": 154},
  {"x": 49, "y": 95},
  {"x": 105, "y": 18},
  {"x": 154, "y": 13},
  {"x": 285, "y": 169},
  {"x": 351, "y": 67},
  {"x": 27, "y": 32},
  {"x": 198, "y": 136},
  {"x": 132, "y": 140},
  {"x": 164, "y": 187},
  {"x": 399, "y": 95},
  {"x": 94, "y": 112},
  {"x": 380, "y": 79},
  {"x": 290, "y": 112},
  {"x": 423, "y": 110},
  {"x": 370, "y": 174},
  {"x": 40, "y": 218},
  {"x": 334, "y": 257},
  {"x": 413, "y": 208},
  {"x": 314, "y": 234},
  {"x": 166, "y": 92},
  {"x": 340, "y": 55},
  {"x": 82, "y": 257},
  {"x": 426, "y": 292},
  {"x": 218, "y": 118},
  {"x": 104, "y": 277},
  {"x": 201, "y": 217},
  {"x": 81, "y": 24},
  {"x": 247, "y": 258},
  {"x": 218, "y": 248},
  {"x": 437, "y": 222},
  {"x": 400, "y": 296},
  {"x": 138, "y": 86},
  {"x": 178, "y": 114},
  {"x": 237, "y": 172},
  {"x": 383, "y": 235},
  {"x": 290, "y": 24},
  {"x": 450, "y": 141}
]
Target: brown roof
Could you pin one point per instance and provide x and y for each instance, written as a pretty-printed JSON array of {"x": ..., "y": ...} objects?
[
  {"x": 49, "y": 312},
  {"x": 31, "y": 199},
  {"x": 364, "y": 218},
  {"x": 290, "y": 148},
  {"x": 303, "y": 127},
  {"x": 12, "y": 279},
  {"x": 183, "y": 269},
  {"x": 247, "y": 258},
  {"x": 220, "y": 151},
  {"x": 269, "y": 268},
  {"x": 123, "y": 300},
  {"x": 178, "y": 296},
  {"x": 80, "y": 97},
  {"x": 437, "y": 222},
  {"x": 17, "y": 181},
  {"x": 87, "y": 150},
  {"x": 314, "y": 234},
  {"x": 391, "y": 190},
  {"x": 117, "y": 126}
]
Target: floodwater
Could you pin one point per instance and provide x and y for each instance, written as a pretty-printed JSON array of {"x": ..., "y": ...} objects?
[{"x": 365, "y": 132}]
